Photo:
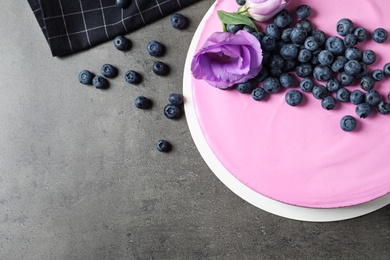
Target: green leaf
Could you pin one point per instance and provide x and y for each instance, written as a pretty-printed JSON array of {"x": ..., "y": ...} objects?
[{"x": 235, "y": 18}]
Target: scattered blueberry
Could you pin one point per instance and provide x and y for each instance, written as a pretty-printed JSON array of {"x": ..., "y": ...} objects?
[
  {"x": 357, "y": 97},
  {"x": 305, "y": 25},
  {"x": 155, "y": 48},
  {"x": 377, "y": 75},
  {"x": 100, "y": 82},
  {"x": 285, "y": 36},
  {"x": 178, "y": 21},
  {"x": 386, "y": 69},
  {"x": 268, "y": 43},
  {"x": 163, "y": 146},
  {"x": 352, "y": 67},
  {"x": 319, "y": 36},
  {"x": 368, "y": 57},
  {"x": 353, "y": 53},
  {"x": 367, "y": 83},
  {"x": 175, "y": 99},
  {"x": 332, "y": 84},
  {"x": 344, "y": 26},
  {"x": 85, "y": 77},
  {"x": 263, "y": 74},
  {"x": 328, "y": 103},
  {"x": 160, "y": 68},
  {"x": 283, "y": 19},
  {"x": 322, "y": 72},
  {"x": 379, "y": 35},
  {"x": 361, "y": 33},
  {"x": 303, "y": 11},
  {"x": 298, "y": 35},
  {"x": 304, "y": 55},
  {"x": 343, "y": 95},
  {"x": 325, "y": 57},
  {"x": 172, "y": 111},
  {"x": 348, "y": 123},
  {"x": 293, "y": 97},
  {"x": 339, "y": 63},
  {"x": 335, "y": 45},
  {"x": 304, "y": 70},
  {"x": 109, "y": 71},
  {"x": 142, "y": 102},
  {"x": 363, "y": 110},
  {"x": 241, "y": 2},
  {"x": 289, "y": 65},
  {"x": 289, "y": 52},
  {"x": 273, "y": 31},
  {"x": 122, "y": 3},
  {"x": 287, "y": 80},
  {"x": 350, "y": 40},
  {"x": 259, "y": 94},
  {"x": 248, "y": 29},
  {"x": 271, "y": 85},
  {"x": 373, "y": 97},
  {"x": 122, "y": 43},
  {"x": 383, "y": 108},
  {"x": 306, "y": 85},
  {"x": 133, "y": 77},
  {"x": 276, "y": 62},
  {"x": 345, "y": 79},
  {"x": 319, "y": 92},
  {"x": 233, "y": 28},
  {"x": 245, "y": 87}
]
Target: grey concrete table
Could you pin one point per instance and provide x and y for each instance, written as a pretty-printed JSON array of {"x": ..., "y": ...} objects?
[{"x": 80, "y": 177}]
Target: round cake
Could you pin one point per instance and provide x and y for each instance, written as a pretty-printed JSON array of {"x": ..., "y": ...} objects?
[{"x": 299, "y": 155}]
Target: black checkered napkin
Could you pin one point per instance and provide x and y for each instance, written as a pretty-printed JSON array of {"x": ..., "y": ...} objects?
[{"x": 74, "y": 25}]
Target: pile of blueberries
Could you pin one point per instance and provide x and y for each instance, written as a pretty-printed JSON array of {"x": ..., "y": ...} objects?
[
  {"x": 173, "y": 110},
  {"x": 325, "y": 65}
]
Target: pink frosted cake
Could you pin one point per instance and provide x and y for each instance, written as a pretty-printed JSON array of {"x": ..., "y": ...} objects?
[{"x": 299, "y": 155}]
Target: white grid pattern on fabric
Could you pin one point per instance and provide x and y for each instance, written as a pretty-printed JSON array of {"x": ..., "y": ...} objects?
[
  {"x": 139, "y": 11},
  {"x": 85, "y": 24},
  {"x": 159, "y": 8},
  {"x": 123, "y": 22},
  {"x": 66, "y": 28},
  {"x": 104, "y": 19},
  {"x": 178, "y": 2}
]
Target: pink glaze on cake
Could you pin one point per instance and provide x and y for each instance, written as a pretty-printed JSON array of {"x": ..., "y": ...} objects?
[{"x": 299, "y": 155}]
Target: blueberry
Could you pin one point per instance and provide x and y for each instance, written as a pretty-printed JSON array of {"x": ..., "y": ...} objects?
[
  {"x": 357, "y": 97},
  {"x": 363, "y": 110},
  {"x": 271, "y": 85},
  {"x": 100, "y": 82},
  {"x": 154, "y": 48},
  {"x": 259, "y": 94},
  {"x": 304, "y": 55},
  {"x": 245, "y": 88},
  {"x": 363, "y": 71},
  {"x": 367, "y": 82},
  {"x": 386, "y": 69},
  {"x": 289, "y": 52},
  {"x": 339, "y": 63},
  {"x": 383, "y": 108},
  {"x": 142, "y": 102},
  {"x": 285, "y": 36},
  {"x": 343, "y": 95},
  {"x": 160, "y": 68},
  {"x": 248, "y": 29},
  {"x": 273, "y": 31},
  {"x": 345, "y": 79},
  {"x": 258, "y": 35},
  {"x": 319, "y": 36},
  {"x": 352, "y": 67},
  {"x": 306, "y": 25},
  {"x": 303, "y": 11},
  {"x": 322, "y": 72},
  {"x": 274, "y": 72},
  {"x": 289, "y": 65},
  {"x": 276, "y": 62},
  {"x": 109, "y": 71},
  {"x": 304, "y": 70},
  {"x": 85, "y": 77},
  {"x": 268, "y": 43},
  {"x": 332, "y": 84},
  {"x": 353, "y": 53},
  {"x": 175, "y": 99},
  {"x": 373, "y": 97},
  {"x": 311, "y": 43},
  {"x": 163, "y": 146},
  {"x": 314, "y": 57},
  {"x": 172, "y": 111},
  {"x": 379, "y": 35},
  {"x": 178, "y": 21},
  {"x": 283, "y": 19},
  {"x": 335, "y": 45},
  {"x": 325, "y": 57},
  {"x": 361, "y": 33},
  {"x": 233, "y": 28},
  {"x": 306, "y": 85},
  {"x": 319, "y": 92},
  {"x": 240, "y": 2},
  {"x": 368, "y": 57},
  {"x": 122, "y": 3},
  {"x": 350, "y": 40},
  {"x": 344, "y": 27},
  {"x": 328, "y": 103},
  {"x": 377, "y": 75},
  {"x": 133, "y": 77},
  {"x": 287, "y": 80},
  {"x": 293, "y": 97},
  {"x": 388, "y": 96},
  {"x": 263, "y": 74},
  {"x": 122, "y": 43},
  {"x": 298, "y": 35},
  {"x": 348, "y": 123}
]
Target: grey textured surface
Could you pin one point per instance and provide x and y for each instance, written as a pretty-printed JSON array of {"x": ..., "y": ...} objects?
[{"x": 80, "y": 178}]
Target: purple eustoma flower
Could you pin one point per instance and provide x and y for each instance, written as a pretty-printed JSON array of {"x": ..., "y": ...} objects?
[
  {"x": 263, "y": 10},
  {"x": 226, "y": 59}
]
